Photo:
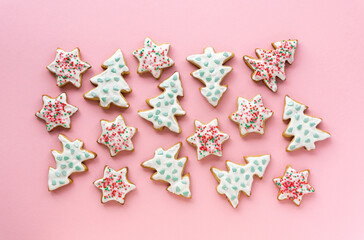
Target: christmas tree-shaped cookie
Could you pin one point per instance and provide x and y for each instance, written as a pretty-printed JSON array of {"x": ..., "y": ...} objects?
[
  {"x": 301, "y": 126},
  {"x": 170, "y": 169},
  {"x": 110, "y": 83},
  {"x": 239, "y": 177},
  {"x": 166, "y": 106},
  {"x": 211, "y": 73},
  {"x": 271, "y": 63}
]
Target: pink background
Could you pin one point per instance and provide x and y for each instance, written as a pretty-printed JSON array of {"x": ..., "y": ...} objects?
[{"x": 327, "y": 75}]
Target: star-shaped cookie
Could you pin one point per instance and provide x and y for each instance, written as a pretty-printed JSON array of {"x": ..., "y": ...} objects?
[
  {"x": 116, "y": 135},
  {"x": 68, "y": 67},
  {"x": 293, "y": 185},
  {"x": 208, "y": 139},
  {"x": 114, "y": 185},
  {"x": 153, "y": 58},
  {"x": 56, "y": 112},
  {"x": 251, "y": 115}
]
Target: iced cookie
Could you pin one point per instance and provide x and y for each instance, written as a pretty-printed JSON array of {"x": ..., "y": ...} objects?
[
  {"x": 271, "y": 63},
  {"x": 166, "y": 105},
  {"x": 239, "y": 178},
  {"x": 301, "y": 126},
  {"x": 211, "y": 73},
  {"x": 68, "y": 67},
  {"x": 207, "y": 139},
  {"x": 116, "y": 135},
  {"x": 153, "y": 58},
  {"x": 110, "y": 83},
  {"x": 67, "y": 162},
  {"x": 251, "y": 115},
  {"x": 170, "y": 169},
  {"x": 56, "y": 112},
  {"x": 293, "y": 185},
  {"x": 114, "y": 185}
]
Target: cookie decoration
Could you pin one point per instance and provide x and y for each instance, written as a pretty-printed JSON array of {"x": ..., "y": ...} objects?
[
  {"x": 110, "y": 83},
  {"x": 251, "y": 115},
  {"x": 239, "y": 178},
  {"x": 116, "y": 135},
  {"x": 153, "y": 58},
  {"x": 56, "y": 112},
  {"x": 166, "y": 105},
  {"x": 207, "y": 139},
  {"x": 211, "y": 73},
  {"x": 293, "y": 185},
  {"x": 170, "y": 169},
  {"x": 68, "y": 67},
  {"x": 301, "y": 126},
  {"x": 67, "y": 162},
  {"x": 271, "y": 63},
  {"x": 114, "y": 185}
]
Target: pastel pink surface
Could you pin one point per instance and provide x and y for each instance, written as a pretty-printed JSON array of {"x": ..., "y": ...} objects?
[{"x": 326, "y": 75}]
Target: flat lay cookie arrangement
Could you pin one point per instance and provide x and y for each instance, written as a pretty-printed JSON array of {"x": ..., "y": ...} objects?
[{"x": 111, "y": 85}]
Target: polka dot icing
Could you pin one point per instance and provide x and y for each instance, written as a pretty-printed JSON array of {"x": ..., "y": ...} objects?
[
  {"x": 251, "y": 115},
  {"x": 271, "y": 63},
  {"x": 67, "y": 162},
  {"x": 208, "y": 139},
  {"x": 301, "y": 126},
  {"x": 110, "y": 83},
  {"x": 166, "y": 106},
  {"x": 211, "y": 73},
  {"x": 68, "y": 67},
  {"x": 293, "y": 185},
  {"x": 116, "y": 135},
  {"x": 153, "y": 58},
  {"x": 239, "y": 178},
  {"x": 170, "y": 169},
  {"x": 56, "y": 112},
  {"x": 114, "y": 185}
]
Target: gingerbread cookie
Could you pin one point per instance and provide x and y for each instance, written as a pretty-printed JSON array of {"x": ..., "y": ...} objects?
[
  {"x": 67, "y": 162},
  {"x": 170, "y": 169},
  {"x": 208, "y": 139},
  {"x": 68, "y": 67},
  {"x": 293, "y": 185},
  {"x": 251, "y": 115},
  {"x": 153, "y": 58},
  {"x": 166, "y": 105},
  {"x": 239, "y": 178},
  {"x": 110, "y": 83},
  {"x": 271, "y": 63},
  {"x": 114, "y": 185},
  {"x": 116, "y": 135},
  {"x": 56, "y": 112},
  {"x": 211, "y": 73},
  {"x": 301, "y": 126}
]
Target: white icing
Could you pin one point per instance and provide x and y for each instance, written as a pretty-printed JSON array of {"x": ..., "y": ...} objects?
[
  {"x": 110, "y": 83},
  {"x": 211, "y": 73}
]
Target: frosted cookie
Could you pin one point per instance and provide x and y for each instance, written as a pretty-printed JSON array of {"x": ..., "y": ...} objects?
[
  {"x": 110, "y": 83},
  {"x": 293, "y": 185},
  {"x": 67, "y": 162},
  {"x": 170, "y": 169},
  {"x": 239, "y": 178},
  {"x": 301, "y": 126},
  {"x": 211, "y": 73},
  {"x": 166, "y": 105},
  {"x": 207, "y": 139},
  {"x": 153, "y": 58},
  {"x": 271, "y": 63},
  {"x": 251, "y": 115},
  {"x": 116, "y": 135},
  {"x": 68, "y": 67},
  {"x": 114, "y": 185},
  {"x": 56, "y": 112}
]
